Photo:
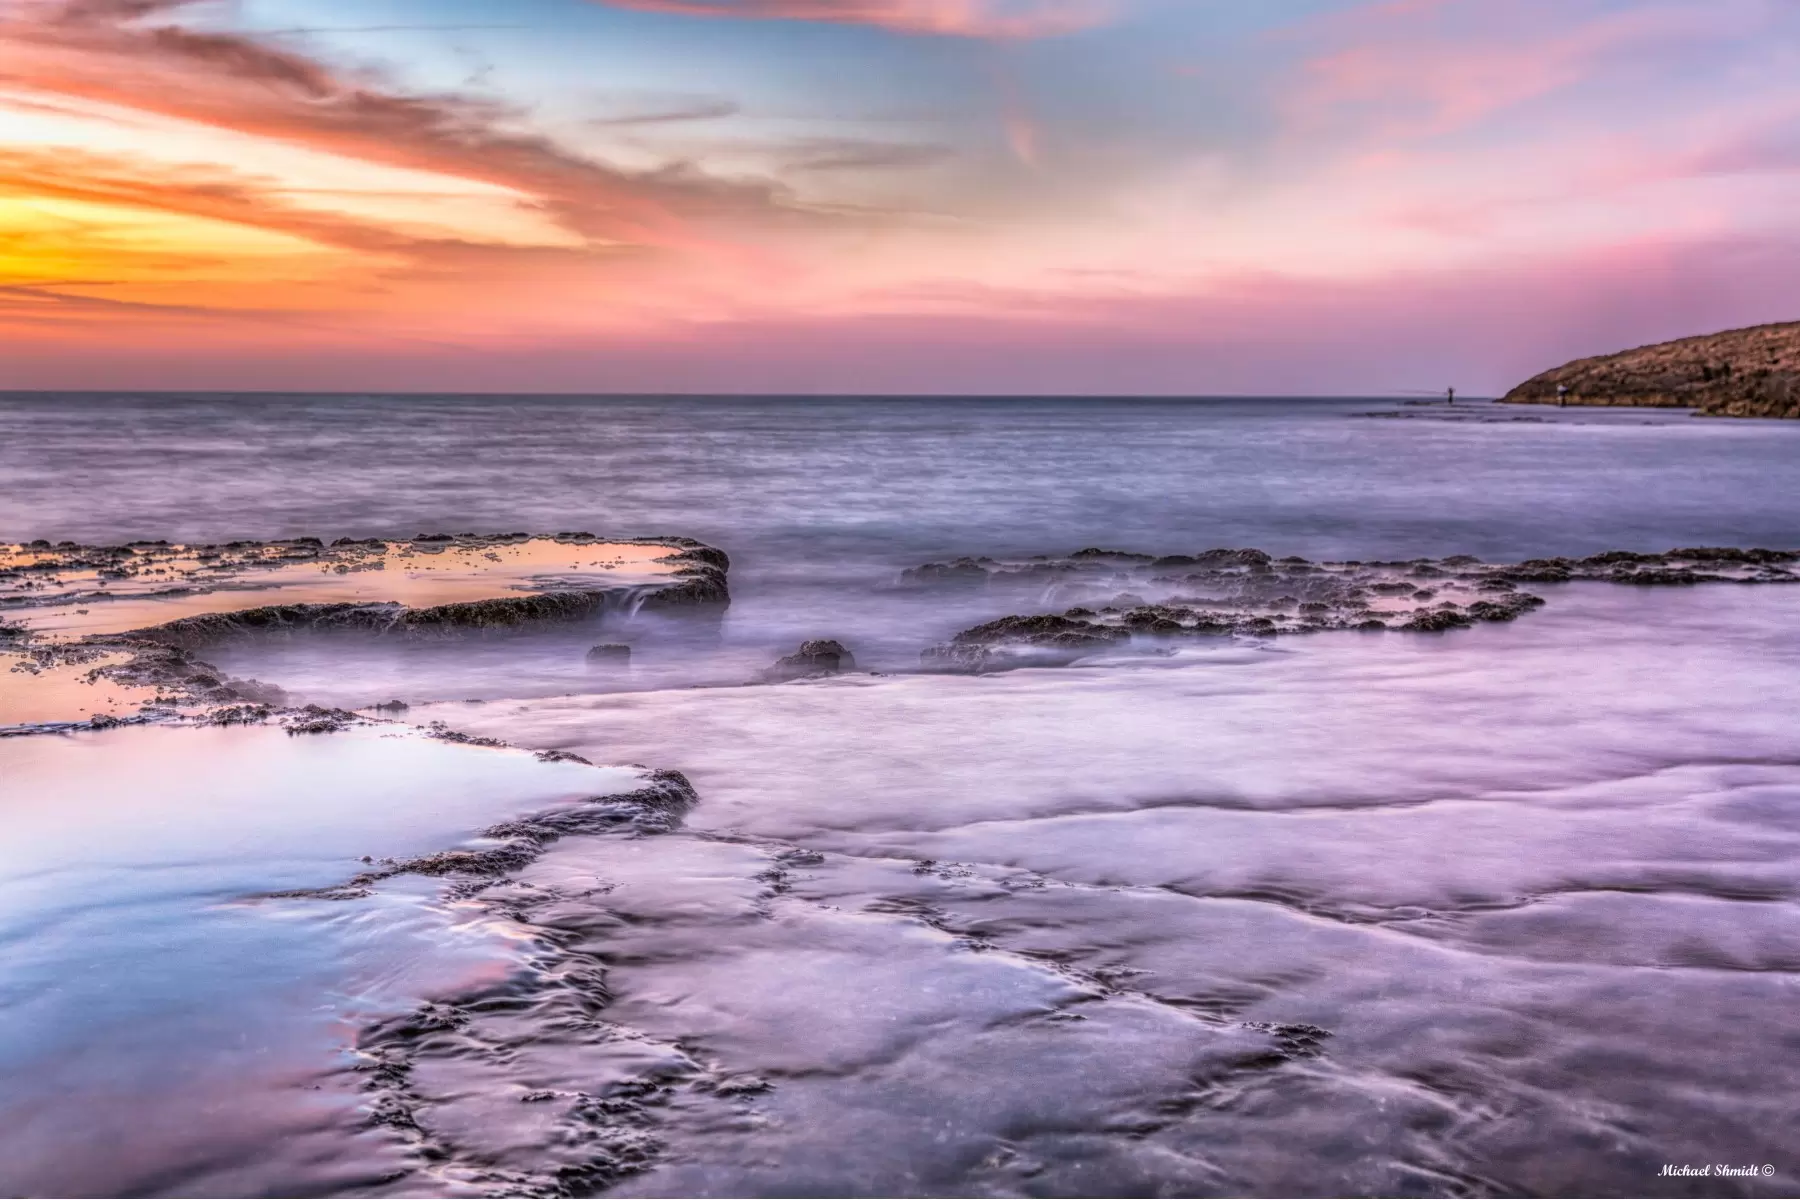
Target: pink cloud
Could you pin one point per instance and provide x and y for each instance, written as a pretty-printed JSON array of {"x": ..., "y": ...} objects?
[
  {"x": 1426, "y": 68},
  {"x": 138, "y": 56},
  {"x": 999, "y": 19},
  {"x": 1256, "y": 334}
]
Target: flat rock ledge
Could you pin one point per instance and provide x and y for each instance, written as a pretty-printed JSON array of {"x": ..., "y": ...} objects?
[
  {"x": 161, "y": 661},
  {"x": 1120, "y": 601}
]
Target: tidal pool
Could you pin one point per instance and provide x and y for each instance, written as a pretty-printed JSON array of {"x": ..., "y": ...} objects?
[
  {"x": 152, "y": 584},
  {"x": 164, "y": 1029}
]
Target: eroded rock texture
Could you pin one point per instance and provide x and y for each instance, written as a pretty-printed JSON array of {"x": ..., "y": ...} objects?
[
  {"x": 116, "y": 629},
  {"x": 1116, "y": 598},
  {"x": 1751, "y": 372}
]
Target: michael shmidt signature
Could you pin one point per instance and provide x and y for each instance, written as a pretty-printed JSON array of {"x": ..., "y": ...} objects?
[{"x": 1716, "y": 1169}]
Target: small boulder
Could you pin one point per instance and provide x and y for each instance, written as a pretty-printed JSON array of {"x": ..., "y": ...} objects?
[
  {"x": 610, "y": 654},
  {"x": 818, "y": 657}
]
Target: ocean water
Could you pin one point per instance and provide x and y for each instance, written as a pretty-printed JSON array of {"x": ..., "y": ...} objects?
[{"x": 1503, "y": 910}]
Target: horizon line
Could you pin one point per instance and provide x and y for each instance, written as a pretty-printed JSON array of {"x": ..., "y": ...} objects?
[{"x": 374, "y": 393}]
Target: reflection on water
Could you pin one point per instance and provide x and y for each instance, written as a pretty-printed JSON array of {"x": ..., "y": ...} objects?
[
  {"x": 159, "y": 1031},
  {"x": 153, "y": 585},
  {"x": 32, "y": 693},
  {"x": 1510, "y": 909}
]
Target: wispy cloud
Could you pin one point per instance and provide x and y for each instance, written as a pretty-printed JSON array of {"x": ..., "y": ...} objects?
[
  {"x": 857, "y": 154},
  {"x": 1428, "y": 68},
  {"x": 1003, "y": 19},
  {"x": 668, "y": 110},
  {"x": 758, "y": 209},
  {"x": 136, "y": 55}
]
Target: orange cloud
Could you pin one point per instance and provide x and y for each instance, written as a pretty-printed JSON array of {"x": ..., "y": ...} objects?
[
  {"x": 999, "y": 19},
  {"x": 491, "y": 204},
  {"x": 113, "y": 52}
]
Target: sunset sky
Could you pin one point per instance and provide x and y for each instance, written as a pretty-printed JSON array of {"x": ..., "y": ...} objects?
[{"x": 1111, "y": 196}]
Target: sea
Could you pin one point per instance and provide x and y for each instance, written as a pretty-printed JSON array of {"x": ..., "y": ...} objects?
[{"x": 1495, "y": 911}]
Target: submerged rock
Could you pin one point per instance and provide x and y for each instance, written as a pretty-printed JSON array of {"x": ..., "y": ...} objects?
[
  {"x": 609, "y": 655},
  {"x": 818, "y": 657}
]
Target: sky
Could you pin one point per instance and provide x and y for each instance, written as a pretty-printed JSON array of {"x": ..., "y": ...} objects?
[{"x": 885, "y": 196}]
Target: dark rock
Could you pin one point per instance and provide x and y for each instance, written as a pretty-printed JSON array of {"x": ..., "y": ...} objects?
[
  {"x": 818, "y": 657},
  {"x": 443, "y": 733},
  {"x": 1613, "y": 558},
  {"x": 1674, "y": 577},
  {"x": 1731, "y": 554},
  {"x": 1119, "y": 555},
  {"x": 1437, "y": 620},
  {"x": 610, "y": 654},
  {"x": 314, "y": 719},
  {"x": 703, "y": 585},
  {"x": 562, "y": 756},
  {"x": 962, "y": 572},
  {"x": 1511, "y": 608},
  {"x": 239, "y": 714},
  {"x": 1045, "y": 629}
]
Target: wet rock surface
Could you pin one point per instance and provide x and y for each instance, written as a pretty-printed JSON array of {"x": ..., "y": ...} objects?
[
  {"x": 821, "y": 656},
  {"x": 1119, "y": 600},
  {"x": 111, "y": 611},
  {"x": 527, "y": 1086},
  {"x": 186, "y": 595},
  {"x": 610, "y": 655},
  {"x": 1369, "y": 916},
  {"x": 1106, "y": 932}
]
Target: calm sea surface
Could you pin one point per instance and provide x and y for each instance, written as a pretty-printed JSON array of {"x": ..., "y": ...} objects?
[
  {"x": 792, "y": 485},
  {"x": 1505, "y": 910}
]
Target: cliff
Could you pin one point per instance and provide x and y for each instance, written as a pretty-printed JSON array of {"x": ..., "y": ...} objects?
[{"x": 1751, "y": 372}]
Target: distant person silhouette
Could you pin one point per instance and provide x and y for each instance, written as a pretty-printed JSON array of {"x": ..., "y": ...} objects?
[
  {"x": 1452, "y": 395},
  {"x": 1562, "y": 393}
]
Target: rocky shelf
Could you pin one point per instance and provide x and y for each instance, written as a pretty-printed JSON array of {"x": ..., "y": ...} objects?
[
  {"x": 1118, "y": 600},
  {"x": 105, "y": 633},
  {"x": 1751, "y": 372}
]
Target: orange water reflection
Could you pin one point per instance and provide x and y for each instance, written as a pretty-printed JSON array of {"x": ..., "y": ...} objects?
[{"x": 154, "y": 585}]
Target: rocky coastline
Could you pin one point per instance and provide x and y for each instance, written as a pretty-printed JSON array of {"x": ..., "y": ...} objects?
[
  {"x": 556, "y": 1076},
  {"x": 155, "y": 668},
  {"x": 1118, "y": 600},
  {"x": 1753, "y": 372}
]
